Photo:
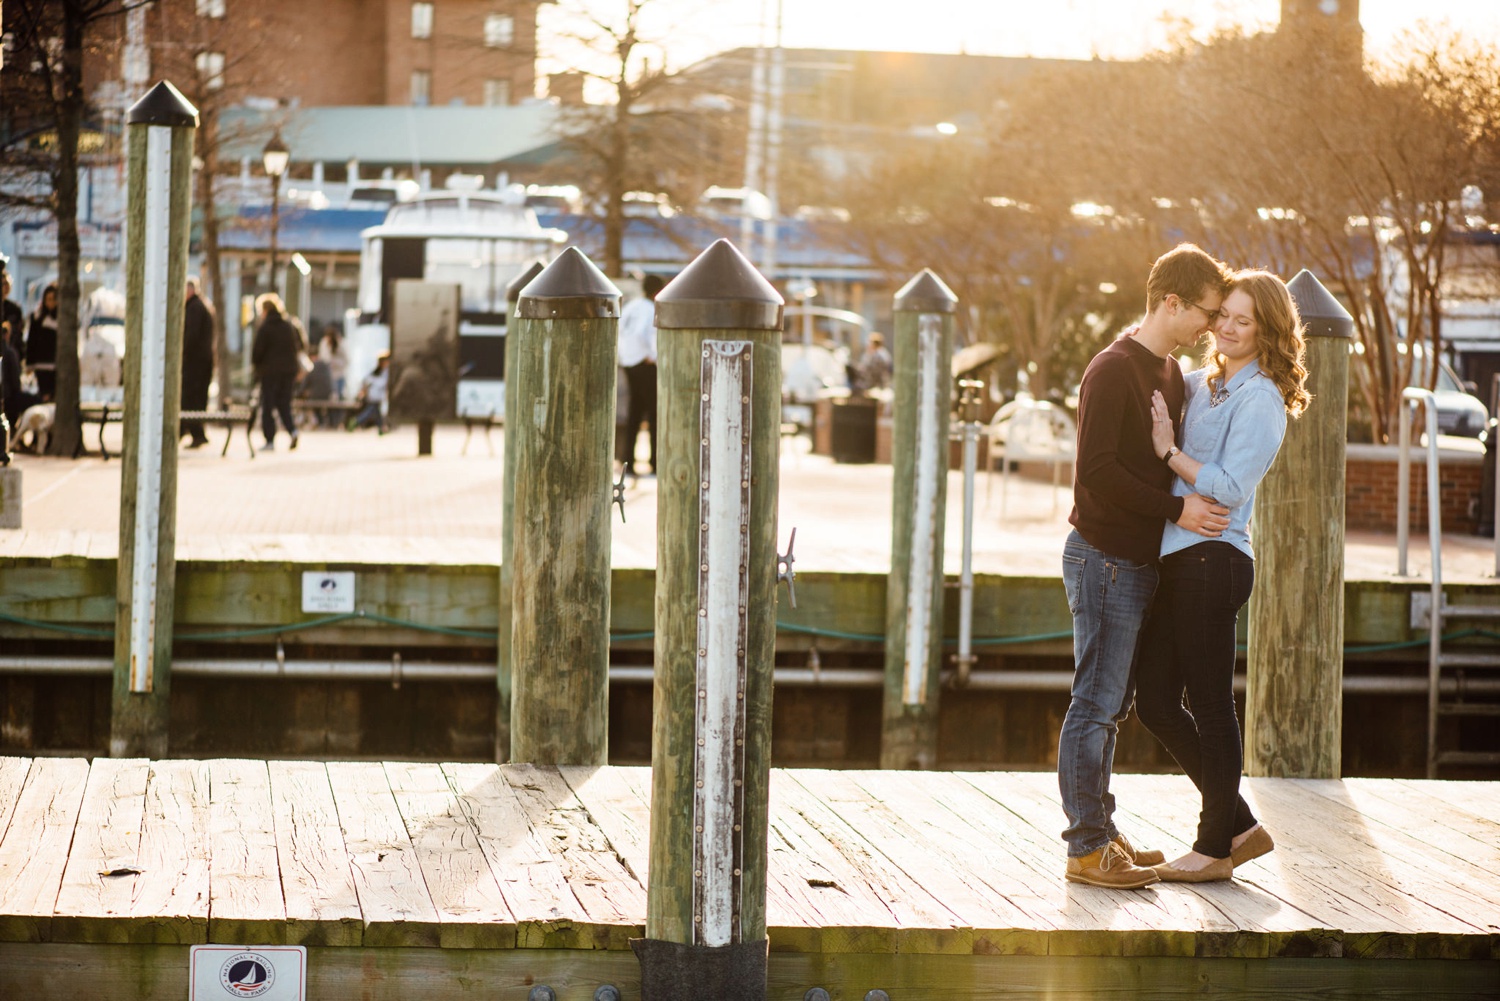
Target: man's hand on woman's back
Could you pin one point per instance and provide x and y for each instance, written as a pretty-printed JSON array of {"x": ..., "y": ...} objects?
[{"x": 1203, "y": 515}]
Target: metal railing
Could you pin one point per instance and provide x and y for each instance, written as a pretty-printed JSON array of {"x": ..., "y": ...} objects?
[{"x": 1410, "y": 398}]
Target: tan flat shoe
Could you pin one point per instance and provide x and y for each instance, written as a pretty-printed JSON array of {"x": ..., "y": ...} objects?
[
  {"x": 1257, "y": 844},
  {"x": 1215, "y": 872}
]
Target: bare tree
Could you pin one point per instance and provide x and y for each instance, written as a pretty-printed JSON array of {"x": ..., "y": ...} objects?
[
  {"x": 214, "y": 90},
  {"x": 1357, "y": 178},
  {"x": 50, "y": 41},
  {"x": 658, "y": 132},
  {"x": 1020, "y": 226}
]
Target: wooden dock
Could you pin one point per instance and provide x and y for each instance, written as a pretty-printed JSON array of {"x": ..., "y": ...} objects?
[{"x": 425, "y": 880}]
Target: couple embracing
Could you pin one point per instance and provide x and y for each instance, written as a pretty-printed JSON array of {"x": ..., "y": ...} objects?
[{"x": 1159, "y": 562}]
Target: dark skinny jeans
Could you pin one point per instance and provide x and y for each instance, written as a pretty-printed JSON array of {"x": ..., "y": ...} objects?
[
  {"x": 276, "y": 398},
  {"x": 1188, "y": 648}
]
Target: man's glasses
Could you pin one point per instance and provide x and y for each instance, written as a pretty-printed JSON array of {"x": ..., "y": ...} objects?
[{"x": 1212, "y": 314}]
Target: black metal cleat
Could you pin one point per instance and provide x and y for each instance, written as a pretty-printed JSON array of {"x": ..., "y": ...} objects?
[
  {"x": 619, "y": 498},
  {"x": 784, "y": 571}
]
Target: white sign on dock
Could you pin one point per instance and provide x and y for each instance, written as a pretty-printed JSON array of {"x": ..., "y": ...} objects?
[
  {"x": 270, "y": 972},
  {"x": 328, "y": 591}
]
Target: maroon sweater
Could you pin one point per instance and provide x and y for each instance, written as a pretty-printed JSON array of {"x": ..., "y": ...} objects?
[{"x": 1122, "y": 495}]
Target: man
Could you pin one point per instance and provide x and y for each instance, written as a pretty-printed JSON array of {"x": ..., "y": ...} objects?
[
  {"x": 10, "y": 312},
  {"x": 197, "y": 359},
  {"x": 1122, "y": 501},
  {"x": 638, "y": 359},
  {"x": 274, "y": 355},
  {"x": 13, "y": 400},
  {"x": 875, "y": 365}
]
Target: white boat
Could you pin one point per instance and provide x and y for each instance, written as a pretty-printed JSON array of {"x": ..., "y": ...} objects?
[{"x": 479, "y": 241}]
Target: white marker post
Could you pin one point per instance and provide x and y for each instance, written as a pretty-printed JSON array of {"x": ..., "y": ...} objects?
[
  {"x": 719, "y": 351},
  {"x": 923, "y": 343},
  {"x": 160, "y": 156}
]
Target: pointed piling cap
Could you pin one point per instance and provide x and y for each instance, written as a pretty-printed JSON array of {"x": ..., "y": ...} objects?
[
  {"x": 1323, "y": 315},
  {"x": 163, "y": 105},
  {"x": 926, "y": 293},
  {"x": 520, "y": 281},
  {"x": 720, "y": 290},
  {"x": 570, "y": 288}
]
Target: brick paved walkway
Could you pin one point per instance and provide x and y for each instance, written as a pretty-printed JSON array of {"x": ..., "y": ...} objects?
[{"x": 364, "y": 497}]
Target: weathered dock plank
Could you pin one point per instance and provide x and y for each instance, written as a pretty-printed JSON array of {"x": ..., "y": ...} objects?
[
  {"x": 1148, "y": 923},
  {"x": 924, "y": 922},
  {"x": 1317, "y": 868},
  {"x": 171, "y": 894},
  {"x": 91, "y": 905},
  {"x": 523, "y": 875},
  {"x": 12, "y": 778},
  {"x": 317, "y": 881},
  {"x": 393, "y": 896},
  {"x": 65, "y": 972},
  {"x": 535, "y": 888},
  {"x": 939, "y": 854},
  {"x": 245, "y": 902},
  {"x": 37, "y": 818},
  {"x": 618, "y": 810},
  {"x": 613, "y": 899},
  {"x": 470, "y": 907}
]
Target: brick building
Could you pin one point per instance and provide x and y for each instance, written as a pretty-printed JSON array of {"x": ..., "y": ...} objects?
[{"x": 323, "y": 53}]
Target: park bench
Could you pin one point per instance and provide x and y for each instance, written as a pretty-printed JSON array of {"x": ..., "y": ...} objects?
[
  {"x": 486, "y": 421},
  {"x": 105, "y": 414}
]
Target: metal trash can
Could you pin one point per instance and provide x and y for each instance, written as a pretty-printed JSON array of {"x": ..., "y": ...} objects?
[{"x": 854, "y": 429}]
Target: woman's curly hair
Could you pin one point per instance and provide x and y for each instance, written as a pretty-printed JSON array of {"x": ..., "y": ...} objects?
[{"x": 1278, "y": 335}]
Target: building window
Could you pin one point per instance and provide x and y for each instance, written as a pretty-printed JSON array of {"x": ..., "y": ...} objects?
[
  {"x": 421, "y": 20},
  {"x": 496, "y": 92},
  {"x": 499, "y": 30},
  {"x": 211, "y": 69},
  {"x": 210, "y": 8},
  {"x": 421, "y": 87}
]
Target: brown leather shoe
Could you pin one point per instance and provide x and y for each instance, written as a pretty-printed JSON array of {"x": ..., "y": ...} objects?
[
  {"x": 1257, "y": 844},
  {"x": 1109, "y": 867},
  {"x": 1216, "y": 871},
  {"x": 1146, "y": 858}
]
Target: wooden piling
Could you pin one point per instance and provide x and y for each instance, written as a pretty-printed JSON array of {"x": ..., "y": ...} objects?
[
  {"x": 507, "y": 513},
  {"x": 1294, "y": 692},
  {"x": 719, "y": 351},
  {"x": 921, "y": 376},
  {"x": 563, "y": 382},
  {"x": 160, "y": 161}
]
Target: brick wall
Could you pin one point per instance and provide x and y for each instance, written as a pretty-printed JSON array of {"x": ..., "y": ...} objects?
[
  {"x": 1370, "y": 488},
  {"x": 328, "y": 52}
]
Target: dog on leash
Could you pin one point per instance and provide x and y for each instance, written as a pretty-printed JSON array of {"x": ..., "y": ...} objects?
[{"x": 34, "y": 427}]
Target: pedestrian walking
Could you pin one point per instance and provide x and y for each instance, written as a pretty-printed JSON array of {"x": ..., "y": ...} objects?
[
  {"x": 637, "y": 356},
  {"x": 197, "y": 360},
  {"x": 275, "y": 357}
]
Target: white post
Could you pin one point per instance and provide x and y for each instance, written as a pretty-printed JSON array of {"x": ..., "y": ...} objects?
[
  {"x": 723, "y": 596},
  {"x": 932, "y": 442},
  {"x": 150, "y": 402}
]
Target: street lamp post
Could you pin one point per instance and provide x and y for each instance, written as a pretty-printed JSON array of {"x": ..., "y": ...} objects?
[{"x": 276, "y": 156}]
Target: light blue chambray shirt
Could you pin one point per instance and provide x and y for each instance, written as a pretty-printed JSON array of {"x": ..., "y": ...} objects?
[{"x": 1236, "y": 441}]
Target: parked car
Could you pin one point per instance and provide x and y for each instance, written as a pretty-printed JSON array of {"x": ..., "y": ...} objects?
[{"x": 1459, "y": 411}]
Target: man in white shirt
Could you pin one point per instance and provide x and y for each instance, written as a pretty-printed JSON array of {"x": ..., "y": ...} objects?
[{"x": 637, "y": 353}]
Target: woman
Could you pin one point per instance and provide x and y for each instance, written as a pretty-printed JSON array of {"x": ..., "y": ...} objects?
[
  {"x": 41, "y": 344},
  {"x": 1233, "y": 423}
]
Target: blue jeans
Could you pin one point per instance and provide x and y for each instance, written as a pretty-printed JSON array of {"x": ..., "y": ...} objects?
[
  {"x": 1188, "y": 648},
  {"x": 1109, "y": 597}
]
